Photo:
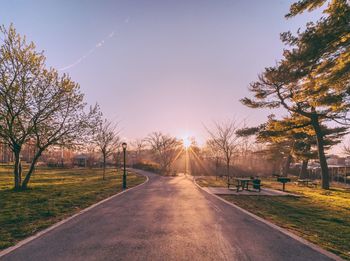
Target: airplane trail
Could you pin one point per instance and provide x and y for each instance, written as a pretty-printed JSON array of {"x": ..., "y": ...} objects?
[{"x": 92, "y": 50}]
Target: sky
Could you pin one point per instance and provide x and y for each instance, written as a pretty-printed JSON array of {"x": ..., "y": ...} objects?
[{"x": 159, "y": 65}]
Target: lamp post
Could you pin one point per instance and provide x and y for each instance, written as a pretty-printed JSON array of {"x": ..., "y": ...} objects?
[{"x": 124, "y": 145}]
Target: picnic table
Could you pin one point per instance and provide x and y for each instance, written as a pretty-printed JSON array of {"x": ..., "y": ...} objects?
[{"x": 243, "y": 183}]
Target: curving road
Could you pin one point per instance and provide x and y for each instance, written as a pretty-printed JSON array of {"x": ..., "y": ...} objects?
[{"x": 164, "y": 219}]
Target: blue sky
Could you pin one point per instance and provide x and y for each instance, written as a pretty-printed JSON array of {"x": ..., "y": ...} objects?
[{"x": 159, "y": 65}]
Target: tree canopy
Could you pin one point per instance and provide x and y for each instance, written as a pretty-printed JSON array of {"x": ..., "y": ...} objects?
[{"x": 165, "y": 149}]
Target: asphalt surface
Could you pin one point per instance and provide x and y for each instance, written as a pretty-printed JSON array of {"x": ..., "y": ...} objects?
[{"x": 164, "y": 219}]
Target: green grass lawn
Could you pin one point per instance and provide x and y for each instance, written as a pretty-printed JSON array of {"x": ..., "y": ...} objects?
[
  {"x": 322, "y": 217},
  {"x": 54, "y": 194}
]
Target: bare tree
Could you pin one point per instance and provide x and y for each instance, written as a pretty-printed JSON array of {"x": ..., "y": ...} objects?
[
  {"x": 107, "y": 140},
  {"x": 37, "y": 104},
  {"x": 224, "y": 140},
  {"x": 346, "y": 148},
  {"x": 139, "y": 145},
  {"x": 89, "y": 150},
  {"x": 164, "y": 148},
  {"x": 213, "y": 156}
]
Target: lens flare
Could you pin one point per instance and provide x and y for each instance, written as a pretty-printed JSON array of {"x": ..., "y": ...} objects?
[{"x": 186, "y": 142}]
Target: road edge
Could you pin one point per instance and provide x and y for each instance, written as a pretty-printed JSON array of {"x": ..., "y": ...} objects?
[
  {"x": 56, "y": 225},
  {"x": 280, "y": 229}
]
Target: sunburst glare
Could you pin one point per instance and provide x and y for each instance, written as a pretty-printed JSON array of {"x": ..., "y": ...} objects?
[{"x": 186, "y": 142}]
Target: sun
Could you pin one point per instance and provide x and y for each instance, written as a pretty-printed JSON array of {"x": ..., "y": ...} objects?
[{"x": 186, "y": 142}]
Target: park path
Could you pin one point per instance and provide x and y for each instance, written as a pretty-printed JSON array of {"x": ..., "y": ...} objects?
[{"x": 164, "y": 219}]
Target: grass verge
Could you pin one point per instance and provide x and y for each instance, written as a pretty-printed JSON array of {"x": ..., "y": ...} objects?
[
  {"x": 322, "y": 217},
  {"x": 54, "y": 194}
]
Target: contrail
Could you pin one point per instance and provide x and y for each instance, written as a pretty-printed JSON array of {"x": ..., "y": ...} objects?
[{"x": 98, "y": 45}]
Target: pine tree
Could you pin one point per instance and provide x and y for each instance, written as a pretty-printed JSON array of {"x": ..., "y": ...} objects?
[
  {"x": 313, "y": 78},
  {"x": 292, "y": 138}
]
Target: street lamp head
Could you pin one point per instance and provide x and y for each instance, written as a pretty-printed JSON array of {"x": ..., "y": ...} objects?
[{"x": 124, "y": 172}]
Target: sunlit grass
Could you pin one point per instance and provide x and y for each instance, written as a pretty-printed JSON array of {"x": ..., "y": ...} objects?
[
  {"x": 322, "y": 217},
  {"x": 53, "y": 195},
  {"x": 211, "y": 181}
]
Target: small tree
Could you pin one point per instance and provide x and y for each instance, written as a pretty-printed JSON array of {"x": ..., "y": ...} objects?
[
  {"x": 36, "y": 104},
  {"x": 106, "y": 140},
  {"x": 164, "y": 148},
  {"x": 139, "y": 145},
  {"x": 214, "y": 156},
  {"x": 223, "y": 138}
]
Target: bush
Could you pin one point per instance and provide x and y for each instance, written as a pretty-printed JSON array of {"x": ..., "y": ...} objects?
[{"x": 147, "y": 166}]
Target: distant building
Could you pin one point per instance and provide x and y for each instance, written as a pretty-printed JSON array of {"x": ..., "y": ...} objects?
[
  {"x": 81, "y": 160},
  {"x": 332, "y": 160},
  {"x": 337, "y": 160},
  {"x": 347, "y": 161}
]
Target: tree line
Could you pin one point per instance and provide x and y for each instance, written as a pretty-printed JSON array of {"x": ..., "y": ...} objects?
[
  {"x": 311, "y": 83},
  {"x": 41, "y": 109}
]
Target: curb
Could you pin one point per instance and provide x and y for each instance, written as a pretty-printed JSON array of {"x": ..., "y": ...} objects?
[
  {"x": 280, "y": 229},
  {"x": 54, "y": 226}
]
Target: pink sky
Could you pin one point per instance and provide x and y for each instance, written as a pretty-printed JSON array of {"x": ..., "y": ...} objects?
[{"x": 163, "y": 65}]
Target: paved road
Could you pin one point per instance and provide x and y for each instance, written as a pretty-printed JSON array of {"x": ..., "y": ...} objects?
[{"x": 164, "y": 219}]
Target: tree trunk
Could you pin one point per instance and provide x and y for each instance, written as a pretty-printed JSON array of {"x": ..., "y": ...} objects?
[
  {"x": 287, "y": 165},
  {"x": 217, "y": 167},
  {"x": 31, "y": 170},
  {"x": 118, "y": 159},
  {"x": 228, "y": 171},
  {"x": 321, "y": 153},
  {"x": 20, "y": 173},
  {"x": 303, "y": 170},
  {"x": 17, "y": 169},
  {"x": 104, "y": 167}
]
